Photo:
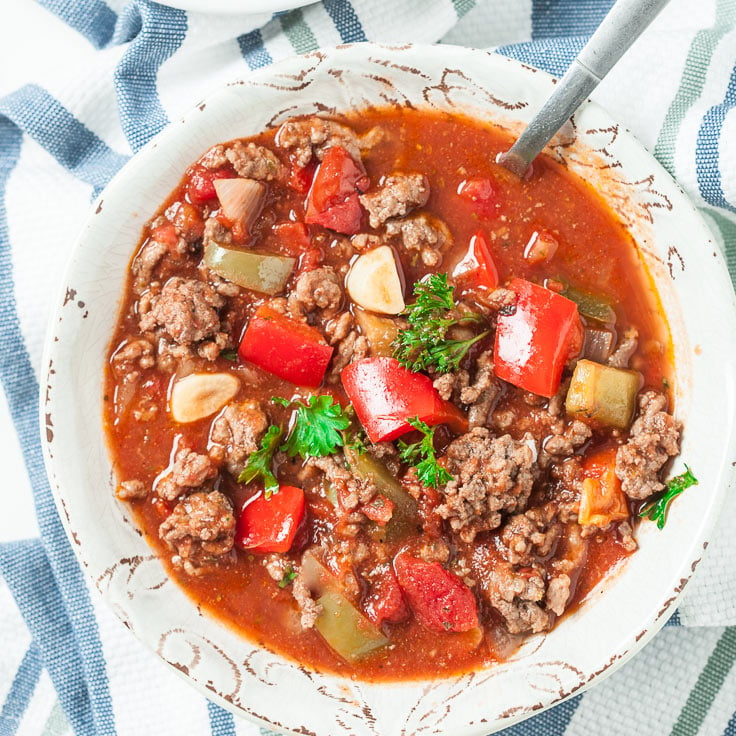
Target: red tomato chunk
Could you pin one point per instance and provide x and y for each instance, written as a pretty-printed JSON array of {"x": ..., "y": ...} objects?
[
  {"x": 333, "y": 198},
  {"x": 439, "y": 599},
  {"x": 386, "y": 601},
  {"x": 481, "y": 193}
]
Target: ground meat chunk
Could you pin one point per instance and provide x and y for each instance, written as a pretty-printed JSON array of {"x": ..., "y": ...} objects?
[
  {"x": 129, "y": 489},
  {"x": 238, "y": 430},
  {"x": 190, "y": 470},
  {"x": 497, "y": 299},
  {"x": 144, "y": 264},
  {"x": 518, "y": 595},
  {"x": 309, "y": 608},
  {"x": 214, "y": 158},
  {"x": 351, "y": 489},
  {"x": 423, "y": 235},
  {"x": 253, "y": 162},
  {"x": 317, "y": 289},
  {"x": 132, "y": 357},
  {"x": 558, "y": 593},
  {"x": 396, "y": 196},
  {"x": 313, "y": 136},
  {"x": 574, "y": 435},
  {"x": 186, "y": 310},
  {"x": 352, "y": 347},
  {"x": 531, "y": 535},
  {"x": 625, "y": 349},
  {"x": 339, "y": 328},
  {"x": 480, "y": 395},
  {"x": 445, "y": 385},
  {"x": 491, "y": 475},
  {"x": 653, "y": 439},
  {"x": 215, "y": 232},
  {"x": 200, "y": 529}
]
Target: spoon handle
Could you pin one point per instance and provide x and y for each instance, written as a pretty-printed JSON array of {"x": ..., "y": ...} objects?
[{"x": 620, "y": 28}]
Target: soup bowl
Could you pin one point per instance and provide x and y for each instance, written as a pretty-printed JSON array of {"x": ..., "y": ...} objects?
[{"x": 617, "y": 617}]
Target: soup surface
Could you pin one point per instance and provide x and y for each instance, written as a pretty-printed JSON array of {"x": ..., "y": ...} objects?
[{"x": 378, "y": 403}]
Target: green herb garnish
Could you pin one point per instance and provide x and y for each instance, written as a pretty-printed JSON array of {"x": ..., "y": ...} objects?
[
  {"x": 318, "y": 427},
  {"x": 424, "y": 345},
  {"x": 289, "y": 575},
  {"x": 259, "y": 463},
  {"x": 229, "y": 355},
  {"x": 657, "y": 510},
  {"x": 422, "y": 456}
]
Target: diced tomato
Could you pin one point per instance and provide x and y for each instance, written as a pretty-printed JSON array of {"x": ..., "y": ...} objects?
[
  {"x": 602, "y": 499},
  {"x": 380, "y": 509},
  {"x": 333, "y": 197},
  {"x": 289, "y": 349},
  {"x": 270, "y": 525},
  {"x": 577, "y": 337},
  {"x": 477, "y": 268},
  {"x": 201, "y": 187},
  {"x": 439, "y": 599},
  {"x": 481, "y": 193},
  {"x": 533, "y": 343},
  {"x": 165, "y": 234},
  {"x": 163, "y": 508},
  {"x": 541, "y": 246},
  {"x": 293, "y": 237},
  {"x": 301, "y": 177},
  {"x": 386, "y": 395},
  {"x": 386, "y": 601},
  {"x": 187, "y": 219},
  {"x": 311, "y": 258}
]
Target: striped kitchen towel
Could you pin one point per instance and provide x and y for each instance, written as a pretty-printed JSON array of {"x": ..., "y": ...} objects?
[{"x": 83, "y": 85}]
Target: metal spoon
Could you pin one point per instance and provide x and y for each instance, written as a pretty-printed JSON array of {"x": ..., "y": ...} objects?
[{"x": 620, "y": 28}]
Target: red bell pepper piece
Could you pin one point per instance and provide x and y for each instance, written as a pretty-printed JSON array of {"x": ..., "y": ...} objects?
[
  {"x": 386, "y": 395},
  {"x": 333, "y": 198},
  {"x": 439, "y": 599},
  {"x": 477, "y": 268},
  {"x": 289, "y": 349},
  {"x": 270, "y": 525},
  {"x": 201, "y": 184},
  {"x": 534, "y": 342},
  {"x": 386, "y": 601},
  {"x": 481, "y": 194}
]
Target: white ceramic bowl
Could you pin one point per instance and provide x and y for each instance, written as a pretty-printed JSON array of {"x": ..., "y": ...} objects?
[{"x": 618, "y": 617}]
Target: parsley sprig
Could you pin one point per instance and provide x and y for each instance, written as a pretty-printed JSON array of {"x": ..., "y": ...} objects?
[
  {"x": 288, "y": 577},
  {"x": 259, "y": 462},
  {"x": 424, "y": 345},
  {"x": 423, "y": 457},
  {"x": 657, "y": 510},
  {"x": 318, "y": 428}
]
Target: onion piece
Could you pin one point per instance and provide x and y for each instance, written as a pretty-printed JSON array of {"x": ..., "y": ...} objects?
[
  {"x": 241, "y": 200},
  {"x": 597, "y": 344}
]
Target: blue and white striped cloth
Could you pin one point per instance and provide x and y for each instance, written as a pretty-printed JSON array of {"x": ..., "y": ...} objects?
[{"x": 83, "y": 85}]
